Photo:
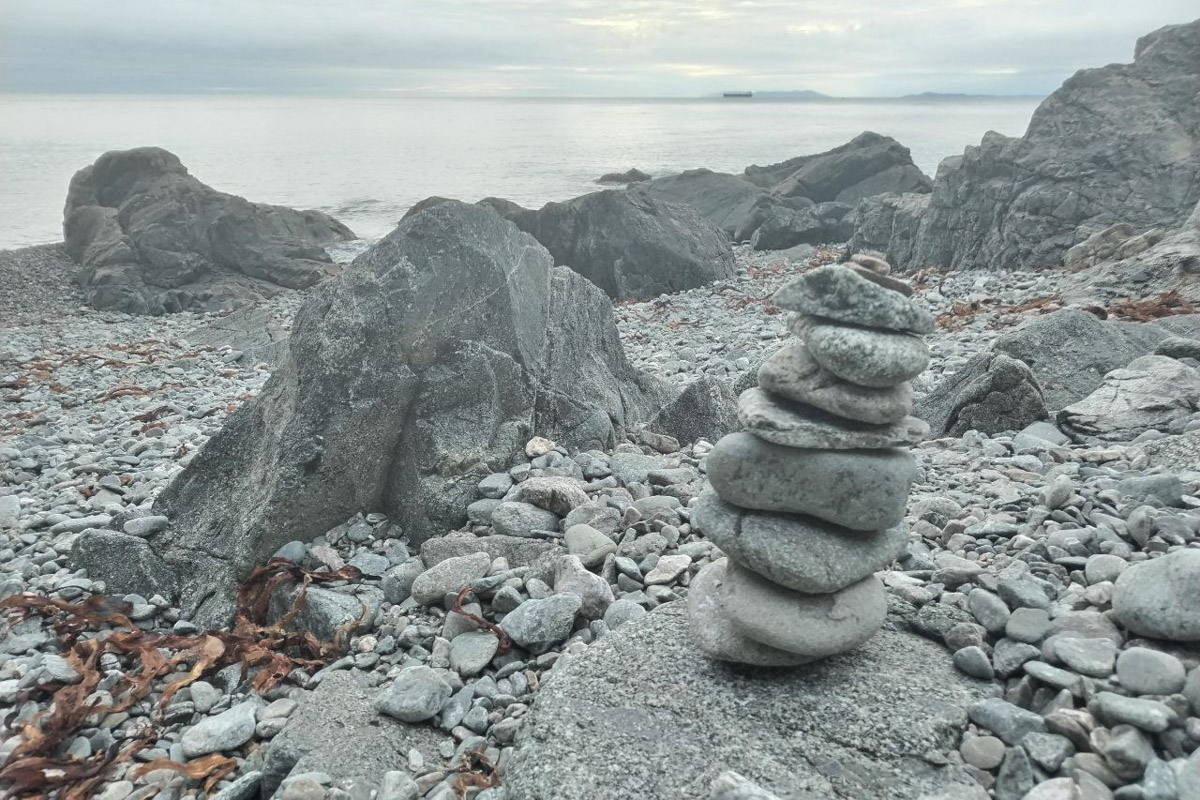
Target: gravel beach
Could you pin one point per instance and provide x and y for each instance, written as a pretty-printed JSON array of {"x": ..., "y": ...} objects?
[{"x": 1009, "y": 536}]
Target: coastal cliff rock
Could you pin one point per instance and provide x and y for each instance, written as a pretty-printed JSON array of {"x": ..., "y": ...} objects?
[
  {"x": 804, "y": 200},
  {"x": 891, "y": 224},
  {"x": 733, "y": 204},
  {"x": 152, "y": 239},
  {"x": 1140, "y": 265},
  {"x": 420, "y": 369},
  {"x": 631, "y": 244},
  {"x": 1117, "y": 144},
  {"x": 867, "y": 165}
]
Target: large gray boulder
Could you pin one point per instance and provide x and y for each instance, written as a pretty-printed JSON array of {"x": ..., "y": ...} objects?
[
  {"x": 705, "y": 409},
  {"x": 992, "y": 393},
  {"x": 631, "y": 244},
  {"x": 1151, "y": 393},
  {"x": 867, "y": 165},
  {"x": 1070, "y": 351},
  {"x": 1158, "y": 597},
  {"x": 420, "y": 369},
  {"x": 733, "y": 204},
  {"x": 1117, "y": 144},
  {"x": 150, "y": 238},
  {"x": 785, "y": 226},
  {"x": 805, "y": 200},
  {"x": 643, "y": 713}
]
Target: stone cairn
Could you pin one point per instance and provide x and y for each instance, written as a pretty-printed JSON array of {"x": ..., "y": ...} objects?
[{"x": 808, "y": 502}]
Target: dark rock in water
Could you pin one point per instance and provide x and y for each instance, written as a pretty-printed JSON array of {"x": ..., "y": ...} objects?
[
  {"x": 643, "y": 713},
  {"x": 631, "y": 244},
  {"x": 422, "y": 368},
  {"x": 705, "y": 409},
  {"x": 1117, "y": 144},
  {"x": 868, "y": 164},
  {"x": 1070, "y": 351},
  {"x": 151, "y": 239},
  {"x": 337, "y": 730},
  {"x": 992, "y": 393},
  {"x": 631, "y": 175}
]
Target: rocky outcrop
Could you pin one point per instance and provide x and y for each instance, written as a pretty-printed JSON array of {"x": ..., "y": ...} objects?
[
  {"x": 1117, "y": 144},
  {"x": 150, "y": 238},
  {"x": 631, "y": 244},
  {"x": 643, "y": 714},
  {"x": 1070, "y": 351},
  {"x": 1140, "y": 266},
  {"x": 867, "y": 165},
  {"x": 805, "y": 200},
  {"x": 993, "y": 393},
  {"x": 1149, "y": 394},
  {"x": 631, "y": 175},
  {"x": 424, "y": 366},
  {"x": 890, "y": 224},
  {"x": 733, "y": 204},
  {"x": 1114, "y": 243},
  {"x": 786, "y": 226}
]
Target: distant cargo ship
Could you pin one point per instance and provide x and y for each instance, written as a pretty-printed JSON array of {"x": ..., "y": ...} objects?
[{"x": 738, "y": 94}]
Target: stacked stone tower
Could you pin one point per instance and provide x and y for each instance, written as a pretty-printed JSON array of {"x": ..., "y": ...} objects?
[{"x": 808, "y": 502}]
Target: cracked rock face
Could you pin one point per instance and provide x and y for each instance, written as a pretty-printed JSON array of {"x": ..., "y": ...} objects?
[
  {"x": 422, "y": 368},
  {"x": 991, "y": 393},
  {"x": 1149, "y": 394},
  {"x": 152, "y": 239},
  {"x": 631, "y": 244},
  {"x": 1116, "y": 144}
]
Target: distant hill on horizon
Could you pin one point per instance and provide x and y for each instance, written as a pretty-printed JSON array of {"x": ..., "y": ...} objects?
[{"x": 809, "y": 94}]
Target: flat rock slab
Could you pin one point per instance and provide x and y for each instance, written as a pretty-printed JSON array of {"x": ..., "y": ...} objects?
[
  {"x": 337, "y": 730},
  {"x": 780, "y": 421},
  {"x": 643, "y": 714}
]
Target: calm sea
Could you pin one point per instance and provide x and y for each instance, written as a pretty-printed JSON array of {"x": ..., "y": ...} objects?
[{"x": 367, "y": 159}]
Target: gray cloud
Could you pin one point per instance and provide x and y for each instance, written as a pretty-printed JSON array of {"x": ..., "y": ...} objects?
[{"x": 574, "y": 47}]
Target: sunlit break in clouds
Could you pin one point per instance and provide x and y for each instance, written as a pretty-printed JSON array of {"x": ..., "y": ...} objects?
[{"x": 566, "y": 47}]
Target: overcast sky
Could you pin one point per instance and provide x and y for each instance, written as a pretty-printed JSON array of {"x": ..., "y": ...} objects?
[{"x": 568, "y": 47}]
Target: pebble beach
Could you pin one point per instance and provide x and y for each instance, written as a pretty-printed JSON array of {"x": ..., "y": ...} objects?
[{"x": 1016, "y": 542}]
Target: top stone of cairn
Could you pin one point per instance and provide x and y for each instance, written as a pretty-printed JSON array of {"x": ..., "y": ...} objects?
[{"x": 839, "y": 293}]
